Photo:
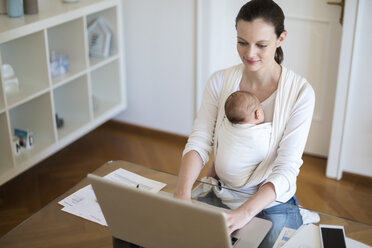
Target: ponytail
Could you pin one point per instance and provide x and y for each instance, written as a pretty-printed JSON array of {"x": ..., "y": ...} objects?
[{"x": 279, "y": 55}]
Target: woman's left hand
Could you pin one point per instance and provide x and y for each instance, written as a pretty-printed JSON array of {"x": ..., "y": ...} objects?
[{"x": 237, "y": 219}]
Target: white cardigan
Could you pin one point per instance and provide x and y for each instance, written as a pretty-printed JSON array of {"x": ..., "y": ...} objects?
[{"x": 294, "y": 106}]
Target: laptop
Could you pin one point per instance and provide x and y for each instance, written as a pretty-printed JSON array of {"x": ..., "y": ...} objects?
[{"x": 158, "y": 220}]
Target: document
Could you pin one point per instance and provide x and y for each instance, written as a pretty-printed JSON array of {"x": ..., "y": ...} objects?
[
  {"x": 89, "y": 209},
  {"x": 83, "y": 202},
  {"x": 284, "y": 236},
  {"x": 307, "y": 236}
]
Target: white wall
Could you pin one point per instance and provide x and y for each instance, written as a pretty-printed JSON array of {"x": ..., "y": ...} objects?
[
  {"x": 216, "y": 39},
  {"x": 160, "y": 64},
  {"x": 356, "y": 152}
]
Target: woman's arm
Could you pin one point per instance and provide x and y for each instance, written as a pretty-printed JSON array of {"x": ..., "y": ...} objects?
[
  {"x": 291, "y": 147},
  {"x": 200, "y": 142},
  {"x": 239, "y": 217},
  {"x": 191, "y": 166}
]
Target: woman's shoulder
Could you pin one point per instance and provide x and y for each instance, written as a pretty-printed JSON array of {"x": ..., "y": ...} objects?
[
  {"x": 302, "y": 82},
  {"x": 220, "y": 73},
  {"x": 216, "y": 79}
]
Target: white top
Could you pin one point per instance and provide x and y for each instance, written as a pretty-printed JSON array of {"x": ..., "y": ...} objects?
[
  {"x": 268, "y": 107},
  {"x": 288, "y": 155}
]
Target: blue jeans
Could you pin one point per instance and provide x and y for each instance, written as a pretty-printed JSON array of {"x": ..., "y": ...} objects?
[{"x": 282, "y": 215}]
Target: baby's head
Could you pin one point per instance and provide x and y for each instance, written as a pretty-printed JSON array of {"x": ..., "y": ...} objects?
[{"x": 243, "y": 107}]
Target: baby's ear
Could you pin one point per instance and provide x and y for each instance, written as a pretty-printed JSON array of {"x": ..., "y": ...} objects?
[{"x": 257, "y": 114}]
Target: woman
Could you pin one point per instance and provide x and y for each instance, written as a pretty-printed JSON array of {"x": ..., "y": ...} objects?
[{"x": 288, "y": 102}]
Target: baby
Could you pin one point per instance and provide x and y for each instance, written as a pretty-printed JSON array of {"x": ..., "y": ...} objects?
[
  {"x": 242, "y": 107},
  {"x": 243, "y": 139}
]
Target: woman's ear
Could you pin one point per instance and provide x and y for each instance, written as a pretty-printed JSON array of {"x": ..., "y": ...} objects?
[{"x": 281, "y": 38}]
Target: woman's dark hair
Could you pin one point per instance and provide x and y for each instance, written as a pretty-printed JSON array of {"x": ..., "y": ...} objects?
[{"x": 270, "y": 12}]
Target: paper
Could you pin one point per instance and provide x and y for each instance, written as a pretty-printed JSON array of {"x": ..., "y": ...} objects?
[
  {"x": 129, "y": 178},
  {"x": 78, "y": 196},
  {"x": 83, "y": 202},
  {"x": 351, "y": 243},
  {"x": 88, "y": 209},
  {"x": 284, "y": 236},
  {"x": 307, "y": 236}
]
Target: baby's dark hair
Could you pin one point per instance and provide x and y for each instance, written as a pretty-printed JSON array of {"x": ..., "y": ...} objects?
[{"x": 239, "y": 105}]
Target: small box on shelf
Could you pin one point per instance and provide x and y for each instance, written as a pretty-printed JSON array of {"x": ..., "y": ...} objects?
[
  {"x": 59, "y": 64},
  {"x": 26, "y": 138}
]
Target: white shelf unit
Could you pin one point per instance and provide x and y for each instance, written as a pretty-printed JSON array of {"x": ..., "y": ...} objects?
[{"x": 92, "y": 91}]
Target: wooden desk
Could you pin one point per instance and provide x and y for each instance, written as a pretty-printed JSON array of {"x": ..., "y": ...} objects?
[{"x": 52, "y": 227}]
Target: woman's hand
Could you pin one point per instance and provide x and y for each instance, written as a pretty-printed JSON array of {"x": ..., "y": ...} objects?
[
  {"x": 237, "y": 219},
  {"x": 182, "y": 196}
]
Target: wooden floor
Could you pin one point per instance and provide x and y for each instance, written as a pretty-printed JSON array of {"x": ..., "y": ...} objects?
[{"x": 30, "y": 191}]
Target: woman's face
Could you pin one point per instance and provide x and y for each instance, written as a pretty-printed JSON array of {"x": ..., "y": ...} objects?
[{"x": 257, "y": 43}]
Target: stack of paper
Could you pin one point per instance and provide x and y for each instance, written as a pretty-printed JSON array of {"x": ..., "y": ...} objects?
[
  {"x": 84, "y": 203},
  {"x": 307, "y": 236}
]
